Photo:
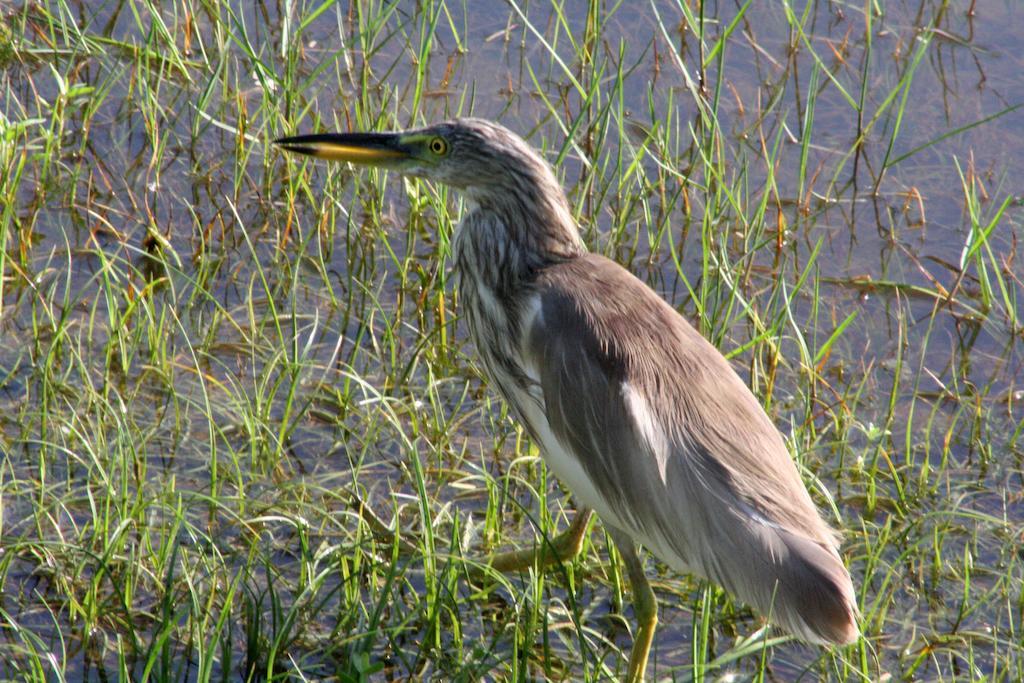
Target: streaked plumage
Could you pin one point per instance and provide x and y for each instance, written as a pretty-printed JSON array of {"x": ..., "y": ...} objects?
[{"x": 638, "y": 415}]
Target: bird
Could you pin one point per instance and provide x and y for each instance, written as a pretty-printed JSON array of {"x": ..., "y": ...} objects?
[{"x": 639, "y": 416}]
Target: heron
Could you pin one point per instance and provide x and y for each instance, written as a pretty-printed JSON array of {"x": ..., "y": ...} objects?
[{"x": 639, "y": 416}]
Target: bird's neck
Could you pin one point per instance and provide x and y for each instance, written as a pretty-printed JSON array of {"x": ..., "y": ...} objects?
[
  {"x": 500, "y": 248},
  {"x": 505, "y": 239},
  {"x": 532, "y": 221}
]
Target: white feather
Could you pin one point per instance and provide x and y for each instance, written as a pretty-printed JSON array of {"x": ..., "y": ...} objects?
[{"x": 648, "y": 427}]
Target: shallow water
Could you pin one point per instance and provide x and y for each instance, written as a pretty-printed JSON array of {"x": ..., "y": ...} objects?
[{"x": 178, "y": 149}]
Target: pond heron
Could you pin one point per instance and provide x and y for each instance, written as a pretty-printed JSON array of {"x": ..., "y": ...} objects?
[{"x": 637, "y": 414}]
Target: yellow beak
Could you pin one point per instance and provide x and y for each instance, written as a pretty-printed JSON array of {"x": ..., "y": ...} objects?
[{"x": 375, "y": 149}]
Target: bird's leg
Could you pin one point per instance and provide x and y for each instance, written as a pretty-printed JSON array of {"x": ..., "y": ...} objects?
[
  {"x": 644, "y": 604},
  {"x": 565, "y": 546}
]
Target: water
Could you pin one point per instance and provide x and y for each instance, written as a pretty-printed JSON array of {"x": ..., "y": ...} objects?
[{"x": 172, "y": 146}]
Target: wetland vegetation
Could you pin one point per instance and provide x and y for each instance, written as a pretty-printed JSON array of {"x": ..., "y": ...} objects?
[{"x": 242, "y": 433}]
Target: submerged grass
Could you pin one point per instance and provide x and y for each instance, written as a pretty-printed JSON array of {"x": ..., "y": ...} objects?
[{"x": 243, "y": 434}]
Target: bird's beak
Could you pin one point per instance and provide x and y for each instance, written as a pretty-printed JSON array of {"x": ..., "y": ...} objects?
[{"x": 373, "y": 149}]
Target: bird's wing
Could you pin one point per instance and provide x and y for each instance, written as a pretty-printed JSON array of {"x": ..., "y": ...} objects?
[{"x": 676, "y": 451}]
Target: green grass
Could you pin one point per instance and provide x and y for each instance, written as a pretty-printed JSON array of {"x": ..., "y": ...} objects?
[{"x": 244, "y": 436}]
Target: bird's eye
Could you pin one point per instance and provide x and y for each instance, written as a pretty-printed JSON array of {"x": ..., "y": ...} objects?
[{"x": 439, "y": 146}]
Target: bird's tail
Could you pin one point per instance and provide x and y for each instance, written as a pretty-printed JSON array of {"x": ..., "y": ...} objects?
[{"x": 799, "y": 583}]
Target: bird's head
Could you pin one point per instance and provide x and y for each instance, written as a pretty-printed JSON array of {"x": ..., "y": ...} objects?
[
  {"x": 495, "y": 168},
  {"x": 472, "y": 155}
]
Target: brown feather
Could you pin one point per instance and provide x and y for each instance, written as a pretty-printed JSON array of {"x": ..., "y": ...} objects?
[{"x": 724, "y": 498}]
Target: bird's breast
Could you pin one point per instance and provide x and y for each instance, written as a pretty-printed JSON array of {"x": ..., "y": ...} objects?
[
  {"x": 492, "y": 296},
  {"x": 495, "y": 327}
]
